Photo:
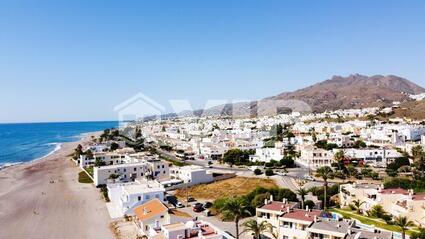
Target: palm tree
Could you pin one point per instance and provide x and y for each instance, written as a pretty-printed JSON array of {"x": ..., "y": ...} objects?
[
  {"x": 357, "y": 205},
  {"x": 256, "y": 228},
  {"x": 377, "y": 211},
  {"x": 325, "y": 173},
  {"x": 302, "y": 192},
  {"x": 235, "y": 209},
  {"x": 404, "y": 223}
]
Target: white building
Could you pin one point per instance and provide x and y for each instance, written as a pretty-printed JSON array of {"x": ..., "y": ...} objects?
[
  {"x": 124, "y": 197},
  {"x": 267, "y": 154},
  {"x": 373, "y": 155},
  {"x": 192, "y": 175},
  {"x": 315, "y": 157},
  {"x": 150, "y": 216},
  {"x": 132, "y": 168}
]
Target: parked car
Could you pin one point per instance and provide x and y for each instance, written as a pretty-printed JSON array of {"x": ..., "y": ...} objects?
[
  {"x": 190, "y": 199},
  {"x": 198, "y": 207},
  {"x": 179, "y": 205},
  {"x": 281, "y": 173},
  {"x": 308, "y": 177},
  {"x": 208, "y": 204}
]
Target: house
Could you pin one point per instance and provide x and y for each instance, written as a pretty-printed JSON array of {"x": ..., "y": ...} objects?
[
  {"x": 191, "y": 174},
  {"x": 396, "y": 201},
  {"x": 293, "y": 224},
  {"x": 151, "y": 215},
  {"x": 314, "y": 157},
  {"x": 132, "y": 167},
  {"x": 372, "y": 155},
  {"x": 267, "y": 154},
  {"x": 124, "y": 197},
  {"x": 271, "y": 211},
  {"x": 324, "y": 228},
  {"x": 191, "y": 229},
  {"x": 108, "y": 158}
]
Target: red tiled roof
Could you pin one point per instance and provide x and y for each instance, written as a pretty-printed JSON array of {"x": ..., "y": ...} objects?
[
  {"x": 394, "y": 191},
  {"x": 302, "y": 215},
  {"x": 278, "y": 206}
]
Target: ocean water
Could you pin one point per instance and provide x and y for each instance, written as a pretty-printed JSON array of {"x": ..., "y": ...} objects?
[{"x": 28, "y": 141}]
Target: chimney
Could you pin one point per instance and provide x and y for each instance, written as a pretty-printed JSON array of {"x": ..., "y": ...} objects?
[
  {"x": 288, "y": 209},
  {"x": 315, "y": 218},
  {"x": 284, "y": 200},
  {"x": 306, "y": 208},
  {"x": 271, "y": 198},
  {"x": 265, "y": 201}
]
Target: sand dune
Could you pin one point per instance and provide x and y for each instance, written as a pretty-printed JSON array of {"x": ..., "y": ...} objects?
[{"x": 43, "y": 199}]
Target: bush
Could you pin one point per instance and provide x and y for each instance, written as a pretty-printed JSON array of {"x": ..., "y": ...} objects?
[
  {"x": 258, "y": 171},
  {"x": 269, "y": 172}
]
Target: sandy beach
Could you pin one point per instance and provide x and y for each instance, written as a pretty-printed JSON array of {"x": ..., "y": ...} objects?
[{"x": 43, "y": 199}]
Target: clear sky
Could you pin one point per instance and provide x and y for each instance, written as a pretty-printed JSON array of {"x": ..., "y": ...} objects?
[{"x": 76, "y": 60}]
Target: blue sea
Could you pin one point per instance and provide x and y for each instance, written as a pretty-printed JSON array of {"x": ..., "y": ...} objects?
[{"x": 28, "y": 141}]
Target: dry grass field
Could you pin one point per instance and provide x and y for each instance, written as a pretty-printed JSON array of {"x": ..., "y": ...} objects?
[{"x": 229, "y": 187}]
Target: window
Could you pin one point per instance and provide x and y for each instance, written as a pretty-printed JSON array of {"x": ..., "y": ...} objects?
[
  {"x": 163, "y": 166},
  {"x": 135, "y": 169},
  {"x": 139, "y": 198},
  {"x": 125, "y": 170},
  {"x": 147, "y": 197}
]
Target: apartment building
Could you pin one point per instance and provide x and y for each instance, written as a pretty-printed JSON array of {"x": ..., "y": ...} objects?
[
  {"x": 396, "y": 201},
  {"x": 124, "y": 197}
]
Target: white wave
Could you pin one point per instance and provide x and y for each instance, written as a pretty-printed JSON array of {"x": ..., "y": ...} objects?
[{"x": 6, "y": 165}]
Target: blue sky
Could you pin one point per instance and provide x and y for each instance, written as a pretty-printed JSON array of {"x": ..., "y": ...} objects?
[{"x": 76, "y": 60}]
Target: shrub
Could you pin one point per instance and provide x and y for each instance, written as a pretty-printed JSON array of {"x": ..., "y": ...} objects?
[
  {"x": 269, "y": 172},
  {"x": 258, "y": 171}
]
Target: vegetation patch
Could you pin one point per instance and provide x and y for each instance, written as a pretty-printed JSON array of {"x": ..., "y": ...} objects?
[
  {"x": 230, "y": 187},
  {"x": 84, "y": 178}
]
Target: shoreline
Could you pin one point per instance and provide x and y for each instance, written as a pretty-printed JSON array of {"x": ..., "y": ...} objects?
[
  {"x": 44, "y": 199},
  {"x": 79, "y": 138}
]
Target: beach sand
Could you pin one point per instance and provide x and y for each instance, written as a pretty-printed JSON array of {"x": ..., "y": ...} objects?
[{"x": 43, "y": 199}]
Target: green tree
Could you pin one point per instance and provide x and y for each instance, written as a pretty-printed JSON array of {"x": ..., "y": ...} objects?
[
  {"x": 418, "y": 235},
  {"x": 235, "y": 209},
  {"x": 357, "y": 204},
  {"x": 417, "y": 152},
  {"x": 302, "y": 193},
  {"x": 404, "y": 223},
  {"x": 377, "y": 211},
  {"x": 257, "y": 171},
  {"x": 339, "y": 158},
  {"x": 114, "y": 146},
  {"x": 257, "y": 228},
  {"x": 325, "y": 173},
  {"x": 269, "y": 172},
  {"x": 89, "y": 154}
]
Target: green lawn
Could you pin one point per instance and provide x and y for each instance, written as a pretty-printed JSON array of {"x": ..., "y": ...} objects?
[
  {"x": 368, "y": 220},
  {"x": 89, "y": 170},
  {"x": 84, "y": 178}
]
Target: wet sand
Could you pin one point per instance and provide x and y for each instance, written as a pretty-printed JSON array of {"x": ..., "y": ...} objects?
[{"x": 43, "y": 199}]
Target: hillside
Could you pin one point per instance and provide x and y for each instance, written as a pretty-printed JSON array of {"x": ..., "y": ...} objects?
[
  {"x": 354, "y": 91},
  {"x": 412, "y": 109}
]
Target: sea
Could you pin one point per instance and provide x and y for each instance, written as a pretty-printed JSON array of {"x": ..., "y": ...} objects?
[{"x": 23, "y": 142}]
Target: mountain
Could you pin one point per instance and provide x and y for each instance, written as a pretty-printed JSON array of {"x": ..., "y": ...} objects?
[{"x": 354, "y": 91}]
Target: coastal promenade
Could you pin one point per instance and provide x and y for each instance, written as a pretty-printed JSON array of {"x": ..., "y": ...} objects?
[{"x": 43, "y": 199}]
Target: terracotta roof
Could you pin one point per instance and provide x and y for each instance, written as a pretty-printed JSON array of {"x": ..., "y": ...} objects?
[
  {"x": 394, "y": 191},
  {"x": 279, "y": 206},
  {"x": 302, "y": 215},
  {"x": 150, "y": 209}
]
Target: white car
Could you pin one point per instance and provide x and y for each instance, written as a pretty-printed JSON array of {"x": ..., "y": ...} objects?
[
  {"x": 179, "y": 205},
  {"x": 281, "y": 173}
]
